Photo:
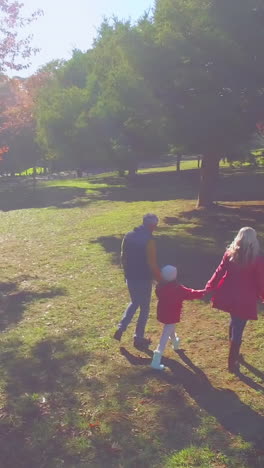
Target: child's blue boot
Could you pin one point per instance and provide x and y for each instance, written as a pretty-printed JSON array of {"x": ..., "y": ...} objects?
[
  {"x": 175, "y": 342},
  {"x": 156, "y": 361}
]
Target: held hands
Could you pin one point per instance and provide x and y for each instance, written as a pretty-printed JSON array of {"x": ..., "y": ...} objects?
[
  {"x": 208, "y": 288},
  {"x": 208, "y": 292},
  {"x": 204, "y": 291}
]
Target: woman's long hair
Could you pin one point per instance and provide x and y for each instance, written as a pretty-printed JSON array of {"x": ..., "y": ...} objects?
[{"x": 245, "y": 247}]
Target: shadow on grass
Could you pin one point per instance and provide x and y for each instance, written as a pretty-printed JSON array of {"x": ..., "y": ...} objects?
[
  {"x": 150, "y": 187},
  {"x": 250, "y": 382},
  {"x": 43, "y": 410},
  {"x": 195, "y": 263},
  {"x": 13, "y": 301},
  {"x": 22, "y": 196},
  {"x": 222, "y": 222},
  {"x": 194, "y": 260},
  {"x": 232, "y": 185},
  {"x": 198, "y": 245},
  {"x": 147, "y": 187},
  {"x": 252, "y": 369},
  {"x": 111, "y": 245},
  {"x": 224, "y": 405},
  {"x": 46, "y": 414},
  {"x": 240, "y": 185}
]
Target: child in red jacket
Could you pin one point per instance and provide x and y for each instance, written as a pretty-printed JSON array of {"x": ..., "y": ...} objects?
[
  {"x": 170, "y": 298},
  {"x": 237, "y": 284}
]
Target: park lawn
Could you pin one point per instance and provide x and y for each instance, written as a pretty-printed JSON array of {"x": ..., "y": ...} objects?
[
  {"x": 186, "y": 165},
  {"x": 73, "y": 397}
]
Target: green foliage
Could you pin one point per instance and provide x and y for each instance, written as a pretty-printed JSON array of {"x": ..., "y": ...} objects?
[
  {"x": 100, "y": 110},
  {"x": 196, "y": 457},
  {"x": 59, "y": 110},
  {"x": 74, "y": 71},
  {"x": 23, "y": 152},
  {"x": 213, "y": 81}
]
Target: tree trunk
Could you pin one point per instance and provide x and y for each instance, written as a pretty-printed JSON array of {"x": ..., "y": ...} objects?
[
  {"x": 79, "y": 173},
  {"x": 209, "y": 176},
  {"x": 132, "y": 172},
  {"x": 178, "y": 163}
]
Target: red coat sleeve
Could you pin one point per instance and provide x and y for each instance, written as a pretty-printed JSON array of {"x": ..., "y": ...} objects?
[
  {"x": 191, "y": 294},
  {"x": 218, "y": 274}
]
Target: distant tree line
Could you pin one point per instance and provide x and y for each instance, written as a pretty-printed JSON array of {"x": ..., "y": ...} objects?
[{"x": 187, "y": 76}]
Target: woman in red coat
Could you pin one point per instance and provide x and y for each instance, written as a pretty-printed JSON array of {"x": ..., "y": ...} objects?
[
  {"x": 238, "y": 283},
  {"x": 170, "y": 298}
]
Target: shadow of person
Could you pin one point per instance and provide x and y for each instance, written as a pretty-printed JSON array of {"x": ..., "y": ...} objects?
[
  {"x": 245, "y": 379},
  {"x": 251, "y": 368},
  {"x": 234, "y": 416},
  {"x": 136, "y": 360},
  {"x": 250, "y": 382}
]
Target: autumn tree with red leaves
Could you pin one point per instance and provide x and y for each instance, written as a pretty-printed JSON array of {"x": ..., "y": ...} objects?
[
  {"x": 21, "y": 100},
  {"x": 17, "y": 123},
  {"x": 13, "y": 53},
  {"x": 12, "y": 48}
]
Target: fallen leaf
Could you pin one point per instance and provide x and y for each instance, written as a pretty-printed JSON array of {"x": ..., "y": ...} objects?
[{"x": 95, "y": 425}]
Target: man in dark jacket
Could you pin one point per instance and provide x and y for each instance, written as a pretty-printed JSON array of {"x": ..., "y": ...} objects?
[{"x": 139, "y": 260}]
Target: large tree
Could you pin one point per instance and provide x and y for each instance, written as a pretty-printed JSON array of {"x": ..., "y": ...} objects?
[
  {"x": 212, "y": 78},
  {"x": 60, "y": 129},
  {"x": 17, "y": 123},
  {"x": 14, "y": 51},
  {"x": 124, "y": 98},
  {"x": 99, "y": 110}
]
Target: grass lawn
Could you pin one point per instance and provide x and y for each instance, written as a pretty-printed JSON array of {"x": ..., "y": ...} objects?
[{"x": 70, "y": 396}]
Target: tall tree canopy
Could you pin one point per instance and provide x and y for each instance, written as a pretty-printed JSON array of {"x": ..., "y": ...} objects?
[
  {"x": 213, "y": 76},
  {"x": 99, "y": 110}
]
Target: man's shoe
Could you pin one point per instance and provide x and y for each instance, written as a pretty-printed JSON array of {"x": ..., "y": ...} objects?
[
  {"x": 142, "y": 343},
  {"x": 118, "y": 334}
]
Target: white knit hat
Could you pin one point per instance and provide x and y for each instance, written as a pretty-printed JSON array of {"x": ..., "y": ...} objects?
[{"x": 169, "y": 273}]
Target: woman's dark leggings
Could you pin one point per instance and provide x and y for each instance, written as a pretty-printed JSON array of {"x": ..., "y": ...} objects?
[{"x": 236, "y": 329}]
